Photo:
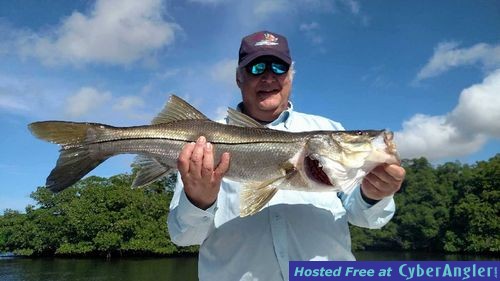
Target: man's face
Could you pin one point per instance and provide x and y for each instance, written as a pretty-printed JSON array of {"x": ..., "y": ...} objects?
[{"x": 265, "y": 95}]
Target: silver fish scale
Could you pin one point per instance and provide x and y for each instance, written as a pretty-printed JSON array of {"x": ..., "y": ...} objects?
[
  {"x": 190, "y": 130},
  {"x": 248, "y": 162}
]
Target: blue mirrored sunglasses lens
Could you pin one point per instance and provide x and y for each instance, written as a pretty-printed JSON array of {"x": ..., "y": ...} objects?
[
  {"x": 258, "y": 68},
  {"x": 279, "y": 68}
]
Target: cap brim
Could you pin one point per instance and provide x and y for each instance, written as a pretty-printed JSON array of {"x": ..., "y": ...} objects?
[{"x": 269, "y": 52}]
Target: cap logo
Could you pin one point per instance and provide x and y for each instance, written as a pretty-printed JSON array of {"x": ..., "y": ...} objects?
[{"x": 268, "y": 40}]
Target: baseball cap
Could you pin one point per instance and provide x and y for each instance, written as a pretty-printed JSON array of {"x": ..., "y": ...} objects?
[{"x": 263, "y": 43}]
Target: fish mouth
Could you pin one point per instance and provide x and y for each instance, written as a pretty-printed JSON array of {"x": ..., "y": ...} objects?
[
  {"x": 391, "y": 146},
  {"x": 315, "y": 171}
]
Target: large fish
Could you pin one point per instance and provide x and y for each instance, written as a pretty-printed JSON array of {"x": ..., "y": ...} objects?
[{"x": 264, "y": 160}]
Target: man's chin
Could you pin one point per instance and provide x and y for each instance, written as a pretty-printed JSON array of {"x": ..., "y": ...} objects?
[{"x": 268, "y": 104}]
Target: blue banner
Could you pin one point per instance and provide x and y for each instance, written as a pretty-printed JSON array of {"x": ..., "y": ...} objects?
[{"x": 393, "y": 270}]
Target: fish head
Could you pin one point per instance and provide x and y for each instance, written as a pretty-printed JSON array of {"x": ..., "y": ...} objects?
[{"x": 342, "y": 158}]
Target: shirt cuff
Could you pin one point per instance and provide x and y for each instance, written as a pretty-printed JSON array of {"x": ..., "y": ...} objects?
[
  {"x": 378, "y": 214},
  {"x": 370, "y": 201},
  {"x": 380, "y": 204},
  {"x": 192, "y": 214}
]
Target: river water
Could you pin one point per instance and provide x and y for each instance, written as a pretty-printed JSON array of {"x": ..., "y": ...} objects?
[{"x": 151, "y": 269}]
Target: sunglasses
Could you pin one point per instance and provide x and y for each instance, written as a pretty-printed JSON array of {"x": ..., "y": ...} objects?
[{"x": 258, "y": 68}]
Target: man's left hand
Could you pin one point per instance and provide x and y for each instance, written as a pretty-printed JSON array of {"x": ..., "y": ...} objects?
[{"x": 384, "y": 180}]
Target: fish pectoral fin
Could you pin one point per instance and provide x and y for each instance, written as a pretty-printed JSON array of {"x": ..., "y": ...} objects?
[
  {"x": 253, "y": 197},
  {"x": 293, "y": 177},
  {"x": 296, "y": 179},
  {"x": 150, "y": 170},
  {"x": 242, "y": 120},
  {"x": 177, "y": 109}
]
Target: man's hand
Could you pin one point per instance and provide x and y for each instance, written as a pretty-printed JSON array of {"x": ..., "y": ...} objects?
[
  {"x": 383, "y": 181},
  {"x": 196, "y": 166}
]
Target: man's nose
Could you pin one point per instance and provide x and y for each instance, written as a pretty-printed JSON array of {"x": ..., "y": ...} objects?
[{"x": 268, "y": 75}]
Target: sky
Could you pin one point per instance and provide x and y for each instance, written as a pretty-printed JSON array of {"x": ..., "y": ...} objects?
[{"x": 427, "y": 70}]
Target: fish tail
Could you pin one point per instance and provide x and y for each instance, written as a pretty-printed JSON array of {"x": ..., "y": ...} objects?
[
  {"x": 67, "y": 134},
  {"x": 75, "y": 160}
]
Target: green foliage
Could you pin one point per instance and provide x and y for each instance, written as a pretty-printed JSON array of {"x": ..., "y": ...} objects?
[
  {"x": 96, "y": 216},
  {"x": 450, "y": 208}
]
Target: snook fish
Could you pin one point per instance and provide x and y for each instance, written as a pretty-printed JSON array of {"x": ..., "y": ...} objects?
[{"x": 262, "y": 159}]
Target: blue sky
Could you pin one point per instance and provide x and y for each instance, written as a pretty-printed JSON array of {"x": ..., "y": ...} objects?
[{"x": 428, "y": 70}]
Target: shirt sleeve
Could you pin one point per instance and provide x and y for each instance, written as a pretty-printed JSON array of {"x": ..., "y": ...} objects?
[
  {"x": 188, "y": 224},
  {"x": 362, "y": 214}
]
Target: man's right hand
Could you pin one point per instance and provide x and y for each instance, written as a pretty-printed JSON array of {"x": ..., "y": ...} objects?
[{"x": 196, "y": 166}]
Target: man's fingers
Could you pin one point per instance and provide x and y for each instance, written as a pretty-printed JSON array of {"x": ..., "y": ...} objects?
[
  {"x": 375, "y": 181},
  {"x": 208, "y": 161},
  {"x": 382, "y": 175},
  {"x": 223, "y": 166},
  {"x": 370, "y": 189},
  {"x": 197, "y": 157},
  {"x": 391, "y": 174},
  {"x": 396, "y": 171},
  {"x": 184, "y": 158},
  {"x": 382, "y": 181}
]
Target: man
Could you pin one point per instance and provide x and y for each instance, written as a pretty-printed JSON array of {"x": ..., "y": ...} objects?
[{"x": 294, "y": 225}]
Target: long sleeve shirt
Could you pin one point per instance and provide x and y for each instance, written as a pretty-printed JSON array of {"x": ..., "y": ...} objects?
[{"x": 294, "y": 225}]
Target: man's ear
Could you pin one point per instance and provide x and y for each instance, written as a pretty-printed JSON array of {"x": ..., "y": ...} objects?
[{"x": 238, "y": 80}]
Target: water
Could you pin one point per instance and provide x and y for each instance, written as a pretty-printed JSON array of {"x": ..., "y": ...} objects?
[
  {"x": 154, "y": 269},
  {"x": 23, "y": 269}
]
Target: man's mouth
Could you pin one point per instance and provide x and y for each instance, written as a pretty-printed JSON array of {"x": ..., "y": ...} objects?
[{"x": 268, "y": 92}]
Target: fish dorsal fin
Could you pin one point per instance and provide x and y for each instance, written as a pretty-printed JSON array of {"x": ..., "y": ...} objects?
[
  {"x": 242, "y": 120},
  {"x": 177, "y": 109}
]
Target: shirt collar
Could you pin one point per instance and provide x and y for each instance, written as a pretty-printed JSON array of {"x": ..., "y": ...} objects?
[{"x": 283, "y": 118}]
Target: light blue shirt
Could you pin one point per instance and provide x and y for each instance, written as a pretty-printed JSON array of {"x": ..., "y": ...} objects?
[{"x": 294, "y": 225}]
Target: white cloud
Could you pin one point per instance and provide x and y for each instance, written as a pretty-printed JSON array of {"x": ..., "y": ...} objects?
[
  {"x": 224, "y": 72},
  {"x": 265, "y": 9},
  {"x": 435, "y": 138},
  {"x": 86, "y": 100},
  {"x": 114, "y": 32},
  {"x": 478, "y": 110},
  {"x": 463, "y": 131},
  {"x": 353, "y": 6},
  {"x": 10, "y": 99},
  {"x": 12, "y": 103},
  {"x": 220, "y": 113},
  {"x": 128, "y": 103},
  {"x": 312, "y": 33},
  {"x": 447, "y": 55},
  {"x": 377, "y": 79},
  {"x": 26, "y": 95},
  {"x": 208, "y": 2},
  {"x": 309, "y": 26}
]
